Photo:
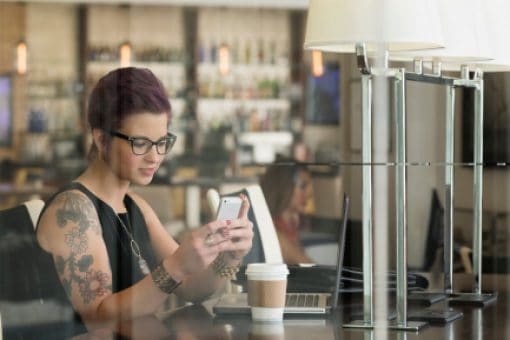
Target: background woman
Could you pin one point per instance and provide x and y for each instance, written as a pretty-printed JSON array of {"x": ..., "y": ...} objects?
[{"x": 287, "y": 191}]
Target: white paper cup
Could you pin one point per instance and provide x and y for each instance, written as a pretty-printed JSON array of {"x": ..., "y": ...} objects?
[{"x": 267, "y": 285}]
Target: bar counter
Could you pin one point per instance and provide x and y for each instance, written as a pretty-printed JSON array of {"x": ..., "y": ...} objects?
[{"x": 198, "y": 321}]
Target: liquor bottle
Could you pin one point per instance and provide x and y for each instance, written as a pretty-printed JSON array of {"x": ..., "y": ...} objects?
[{"x": 213, "y": 52}]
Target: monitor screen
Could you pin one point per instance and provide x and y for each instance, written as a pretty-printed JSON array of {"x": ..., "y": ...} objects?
[
  {"x": 435, "y": 233},
  {"x": 323, "y": 96},
  {"x": 5, "y": 111},
  {"x": 496, "y": 125}
]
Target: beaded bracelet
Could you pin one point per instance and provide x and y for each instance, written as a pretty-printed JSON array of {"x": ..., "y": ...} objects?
[
  {"x": 163, "y": 280},
  {"x": 223, "y": 270}
]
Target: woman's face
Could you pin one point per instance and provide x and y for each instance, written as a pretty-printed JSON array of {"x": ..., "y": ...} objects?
[
  {"x": 301, "y": 191},
  {"x": 138, "y": 169}
]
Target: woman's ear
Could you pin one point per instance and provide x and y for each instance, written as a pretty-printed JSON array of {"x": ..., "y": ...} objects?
[{"x": 99, "y": 140}]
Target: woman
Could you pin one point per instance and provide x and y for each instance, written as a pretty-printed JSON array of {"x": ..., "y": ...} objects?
[
  {"x": 113, "y": 256},
  {"x": 287, "y": 190}
]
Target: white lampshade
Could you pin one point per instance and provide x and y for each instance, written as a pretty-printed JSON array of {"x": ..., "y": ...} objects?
[
  {"x": 464, "y": 31},
  {"x": 338, "y": 25},
  {"x": 496, "y": 14}
]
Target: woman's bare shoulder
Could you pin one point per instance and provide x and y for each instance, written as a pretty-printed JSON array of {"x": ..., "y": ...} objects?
[
  {"x": 142, "y": 204},
  {"x": 69, "y": 210}
]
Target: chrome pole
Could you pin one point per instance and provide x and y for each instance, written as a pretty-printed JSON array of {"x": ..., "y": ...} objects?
[
  {"x": 366, "y": 195},
  {"x": 401, "y": 198},
  {"x": 478, "y": 188},
  {"x": 368, "y": 298},
  {"x": 449, "y": 189}
]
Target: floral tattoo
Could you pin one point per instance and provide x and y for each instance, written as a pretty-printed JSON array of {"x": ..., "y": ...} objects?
[
  {"x": 77, "y": 241},
  {"x": 76, "y": 214},
  {"x": 95, "y": 284}
]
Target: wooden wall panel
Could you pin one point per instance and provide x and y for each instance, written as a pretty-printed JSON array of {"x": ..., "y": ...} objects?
[{"x": 12, "y": 29}]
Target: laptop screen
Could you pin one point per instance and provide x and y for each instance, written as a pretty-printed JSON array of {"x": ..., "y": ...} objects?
[
  {"x": 341, "y": 250},
  {"x": 320, "y": 277}
]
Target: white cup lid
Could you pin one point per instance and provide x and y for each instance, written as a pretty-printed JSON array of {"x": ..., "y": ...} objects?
[{"x": 272, "y": 269}]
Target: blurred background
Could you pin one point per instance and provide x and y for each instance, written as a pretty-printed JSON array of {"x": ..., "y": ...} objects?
[{"x": 243, "y": 91}]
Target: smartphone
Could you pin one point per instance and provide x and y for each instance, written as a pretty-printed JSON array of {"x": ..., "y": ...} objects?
[{"x": 229, "y": 208}]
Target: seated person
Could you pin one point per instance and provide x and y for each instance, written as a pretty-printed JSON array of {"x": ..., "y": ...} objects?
[
  {"x": 287, "y": 189},
  {"x": 113, "y": 256}
]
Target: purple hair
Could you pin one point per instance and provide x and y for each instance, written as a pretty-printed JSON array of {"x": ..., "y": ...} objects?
[{"x": 124, "y": 92}]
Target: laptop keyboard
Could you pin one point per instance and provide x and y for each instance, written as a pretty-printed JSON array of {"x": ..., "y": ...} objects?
[{"x": 301, "y": 300}]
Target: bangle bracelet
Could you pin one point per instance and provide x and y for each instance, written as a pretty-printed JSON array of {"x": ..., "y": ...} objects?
[
  {"x": 163, "y": 280},
  {"x": 223, "y": 270}
]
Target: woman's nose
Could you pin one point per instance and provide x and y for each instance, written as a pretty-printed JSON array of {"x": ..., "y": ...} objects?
[{"x": 153, "y": 155}]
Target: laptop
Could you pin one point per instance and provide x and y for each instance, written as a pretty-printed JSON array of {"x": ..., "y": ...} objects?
[{"x": 297, "y": 302}]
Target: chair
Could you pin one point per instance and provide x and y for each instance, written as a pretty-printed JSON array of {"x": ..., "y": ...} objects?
[
  {"x": 32, "y": 302},
  {"x": 18, "y": 249},
  {"x": 34, "y": 208},
  {"x": 266, "y": 247}
]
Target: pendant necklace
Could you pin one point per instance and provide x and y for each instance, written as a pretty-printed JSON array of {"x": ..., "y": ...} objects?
[{"x": 144, "y": 267}]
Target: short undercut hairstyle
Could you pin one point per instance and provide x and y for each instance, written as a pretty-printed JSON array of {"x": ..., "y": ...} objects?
[{"x": 124, "y": 92}]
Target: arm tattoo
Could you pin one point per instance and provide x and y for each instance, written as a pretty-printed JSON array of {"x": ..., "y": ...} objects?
[
  {"x": 76, "y": 215},
  {"x": 77, "y": 209}
]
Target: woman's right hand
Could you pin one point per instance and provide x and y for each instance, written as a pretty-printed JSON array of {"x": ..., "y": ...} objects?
[{"x": 199, "y": 248}]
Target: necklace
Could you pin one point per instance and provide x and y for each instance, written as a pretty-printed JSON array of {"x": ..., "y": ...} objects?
[{"x": 144, "y": 267}]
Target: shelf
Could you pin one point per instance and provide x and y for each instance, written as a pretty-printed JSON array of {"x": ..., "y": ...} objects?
[
  {"x": 212, "y": 110},
  {"x": 282, "y": 138},
  {"x": 279, "y": 69},
  {"x": 178, "y": 105},
  {"x": 155, "y": 66},
  {"x": 227, "y": 104},
  {"x": 264, "y": 145},
  {"x": 52, "y": 89},
  {"x": 39, "y": 98}
]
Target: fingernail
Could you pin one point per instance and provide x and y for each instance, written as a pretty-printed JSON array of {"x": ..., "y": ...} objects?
[{"x": 228, "y": 222}]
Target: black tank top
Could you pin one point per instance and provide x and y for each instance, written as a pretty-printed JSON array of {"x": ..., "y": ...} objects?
[{"x": 124, "y": 263}]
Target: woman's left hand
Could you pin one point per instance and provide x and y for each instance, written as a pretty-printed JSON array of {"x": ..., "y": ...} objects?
[{"x": 240, "y": 232}]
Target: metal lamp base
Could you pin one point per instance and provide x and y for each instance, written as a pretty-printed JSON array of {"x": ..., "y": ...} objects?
[
  {"x": 426, "y": 298},
  {"x": 435, "y": 316},
  {"x": 413, "y": 326},
  {"x": 409, "y": 326},
  {"x": 473, "y": 299}
]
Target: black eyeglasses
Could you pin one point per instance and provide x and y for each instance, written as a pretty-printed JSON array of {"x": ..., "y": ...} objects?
[{"x": 142, "y": 145}]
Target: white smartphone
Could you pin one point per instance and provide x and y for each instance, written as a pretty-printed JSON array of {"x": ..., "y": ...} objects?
[{"x": 229, "y": 208}]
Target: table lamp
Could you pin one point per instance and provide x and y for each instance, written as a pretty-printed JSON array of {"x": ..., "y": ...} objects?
[
  {"x": 466, "y": 34},
  {"x": 375, "y": 28},
  {"x": 495, "y": 13}
]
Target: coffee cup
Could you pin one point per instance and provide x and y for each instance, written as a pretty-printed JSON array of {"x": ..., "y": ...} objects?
[{"x": 267, "y": 285}]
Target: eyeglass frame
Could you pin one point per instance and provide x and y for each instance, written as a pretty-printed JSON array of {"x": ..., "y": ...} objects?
[{"x": 169, "y": 136}]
